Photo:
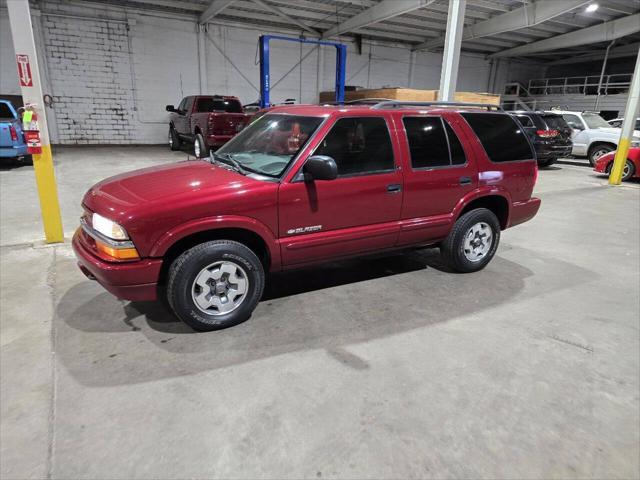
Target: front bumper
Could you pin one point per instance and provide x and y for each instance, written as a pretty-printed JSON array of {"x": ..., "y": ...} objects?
[
  {"x": 136, "y": 281},
  {"x": 523, "y": 211},
  {"x": 13, "y": 151}
]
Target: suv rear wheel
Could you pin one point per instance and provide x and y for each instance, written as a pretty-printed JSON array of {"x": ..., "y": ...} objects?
[
  {"x": 472, "y": 242},
  {"x": 596, "y": 151},
  {"x": 215, "y": 285}
]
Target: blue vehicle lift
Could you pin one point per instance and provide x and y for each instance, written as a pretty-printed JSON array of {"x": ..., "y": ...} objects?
[{"x": 265, "y": 79}]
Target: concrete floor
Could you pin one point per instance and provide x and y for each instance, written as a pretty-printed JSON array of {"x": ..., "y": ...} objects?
[{"x": 383, "y": 368}]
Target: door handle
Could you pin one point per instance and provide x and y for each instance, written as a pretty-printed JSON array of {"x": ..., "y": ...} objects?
[
  {"x": 465, "y": 180},
  {"x": 394, "y": 188}
]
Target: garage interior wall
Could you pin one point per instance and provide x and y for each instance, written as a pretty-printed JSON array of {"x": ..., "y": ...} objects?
[{"x": 111, "y": 77}]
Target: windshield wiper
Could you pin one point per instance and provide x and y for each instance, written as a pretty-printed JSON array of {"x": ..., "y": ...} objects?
[{"x": 227, "y": 159}]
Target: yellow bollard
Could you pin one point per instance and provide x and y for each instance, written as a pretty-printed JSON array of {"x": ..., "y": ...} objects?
[{"x": 48, "y": 193}]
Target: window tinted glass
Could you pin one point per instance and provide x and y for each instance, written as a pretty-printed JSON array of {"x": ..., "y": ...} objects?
[
  {"x": 526, "y": 121},
  {"x": 457, "y": 152},
  {"x": 593, "y": 120},
  {"x": 5, "y": 111},
  {"x": 359, "y": 145},
  {"x": 501, "y": 136},
  {"x": 188, "y": 104},
  {"x": 555, "y": 122},
  {"x": 183, "y": 103},
  {"x": 573, "y": 121},
  {"x": 427, "y": 142},
  {"x": 218, "y": 104}
]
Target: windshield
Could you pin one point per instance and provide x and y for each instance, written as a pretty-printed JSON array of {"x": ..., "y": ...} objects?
[
  {"x": 593, "y": 120},
  {"x": 268, "y": 145}
]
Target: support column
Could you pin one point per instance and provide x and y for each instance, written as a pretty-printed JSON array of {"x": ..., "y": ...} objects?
[
  {"x": 412, "y": 67},
  {"x": 202, "y": 58},
  {"x": 30, "y": 86},
  {"x": 451, "y": 54},
  {"x": 630, "y": 115}
]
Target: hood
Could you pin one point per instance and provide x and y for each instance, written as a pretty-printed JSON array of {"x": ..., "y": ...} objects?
[
  {"x": 615, "y": 132},
  {"x": 150, "y": 190}
]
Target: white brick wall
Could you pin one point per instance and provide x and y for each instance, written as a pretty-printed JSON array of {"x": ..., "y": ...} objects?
[{"x": 112, "y": 77}]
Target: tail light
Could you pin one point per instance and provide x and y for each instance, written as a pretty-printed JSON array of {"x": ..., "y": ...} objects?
[
  {"x": 547, "y": 133},
  {"x": 14, "y": 134}
]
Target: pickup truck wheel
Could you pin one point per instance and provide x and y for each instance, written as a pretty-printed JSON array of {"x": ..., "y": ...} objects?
[
  {"x": 174, "y": 139},
  {"x": 472, "y": 242},
  {"x": 215, "y": 285},
  {"x": 597, "y": 151},
  {"x": 200, "y": 149}
]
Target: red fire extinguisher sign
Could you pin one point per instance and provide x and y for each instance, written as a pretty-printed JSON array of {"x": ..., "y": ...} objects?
[{"x": 24, "y": 70}]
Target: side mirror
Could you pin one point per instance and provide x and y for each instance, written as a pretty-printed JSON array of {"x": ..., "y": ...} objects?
[
  {"x": 321, "y": 167},
  {"x": 170, "y": 108}
]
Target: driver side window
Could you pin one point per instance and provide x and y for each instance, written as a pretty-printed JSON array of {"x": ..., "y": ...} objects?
[{"x": 359, "y": 146}]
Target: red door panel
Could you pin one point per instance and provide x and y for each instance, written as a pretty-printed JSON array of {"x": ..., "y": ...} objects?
[
  {"x": 319, "y": 220},
  {"x": 430, "y": 195}
]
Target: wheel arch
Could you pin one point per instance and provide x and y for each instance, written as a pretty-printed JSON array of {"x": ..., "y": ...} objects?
[
  {"x": 244, "y": 236},
  {"x": 597, "y": 143},
  {"x": 497, "y": 203}
]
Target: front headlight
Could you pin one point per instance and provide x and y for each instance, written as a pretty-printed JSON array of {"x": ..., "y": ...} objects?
[{"x": 108, "y": 228}]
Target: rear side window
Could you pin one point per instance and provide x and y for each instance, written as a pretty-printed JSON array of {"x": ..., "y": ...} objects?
[
  {"x": 432, "y": 143},
  {"x": 427, "y": 142},
  {"x": 457, "y": 152},
  {"x": 218, "y": 105},
  {"x": 501, "y": 137},
  {"x": 359, "y": 146}
]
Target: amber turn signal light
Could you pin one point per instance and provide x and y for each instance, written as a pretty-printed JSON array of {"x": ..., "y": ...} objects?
[{"x": 117, "y": 253}]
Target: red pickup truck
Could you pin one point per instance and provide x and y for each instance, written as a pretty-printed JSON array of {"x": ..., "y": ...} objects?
[
  {"x": 205, "y": 121},
  {"x": 303, "y": 185}
]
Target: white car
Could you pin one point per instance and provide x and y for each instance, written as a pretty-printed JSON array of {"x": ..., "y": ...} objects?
[
  {"x": 592, "y": 136},
  {"x": 617, "y": 123}
]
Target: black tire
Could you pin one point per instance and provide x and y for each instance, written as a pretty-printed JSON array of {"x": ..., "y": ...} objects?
[
  {"x": 547, "y": 162},
  {"x": 200, "y": 149},
  {"x": 174, "y": 139},
  {"x": 452, "y": 249},
  {"x": 597, "y": 150},
  {"x": 631, "y": 170},
  {"x": 186, "y": 268}
]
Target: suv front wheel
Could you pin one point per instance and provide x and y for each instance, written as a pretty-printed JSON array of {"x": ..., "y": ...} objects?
[
  {"x": 472, "y": 242},
  {"x": 215, "y": 285}
]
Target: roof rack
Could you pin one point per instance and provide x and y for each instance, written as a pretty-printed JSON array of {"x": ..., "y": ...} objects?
[{"x": 400, "y": 104}]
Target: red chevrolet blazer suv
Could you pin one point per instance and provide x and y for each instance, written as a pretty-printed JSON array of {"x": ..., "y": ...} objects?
[{"x": 303, "y": 185}]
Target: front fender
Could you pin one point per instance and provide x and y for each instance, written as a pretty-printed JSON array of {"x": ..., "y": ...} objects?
[{"x": 216, "y": 223}]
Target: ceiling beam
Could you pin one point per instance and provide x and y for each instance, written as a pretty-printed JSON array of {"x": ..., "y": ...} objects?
[
  {"x": 603, "y": 32},
  {"x": 523, "y": 17},
  {"x": 630, "y": 50},
  {"x": 377, "y": 13},
  {"x": 214, "y": 8},
  {"x": 288, "y": 18}
]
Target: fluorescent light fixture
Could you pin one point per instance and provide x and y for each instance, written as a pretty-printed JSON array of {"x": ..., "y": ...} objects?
[{"x": 592, "y": 8}]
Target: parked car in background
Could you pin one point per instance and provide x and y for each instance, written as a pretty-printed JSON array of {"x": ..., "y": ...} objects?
[
  {"x": 631, "y": 166},
  {"x": 205, "y": 121},
  {"x": 303, "y": 185},
  {"x": 592, "y": 136},
  {"x": 617, "y": 123},
  {"x": 12, "y": 143},
  {"x": 549, "y": 133}
]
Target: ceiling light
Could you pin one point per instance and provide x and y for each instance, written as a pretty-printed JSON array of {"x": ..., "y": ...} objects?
[{"x": 592, "y": 8}]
